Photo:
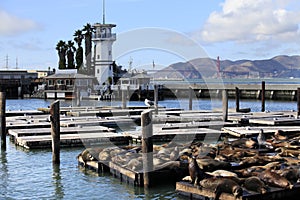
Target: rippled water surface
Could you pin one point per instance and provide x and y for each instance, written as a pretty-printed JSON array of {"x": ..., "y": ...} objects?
[{"x": 30, "y": 174}]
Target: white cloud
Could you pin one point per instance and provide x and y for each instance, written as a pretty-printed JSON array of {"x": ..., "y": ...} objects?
[
  {"x": 250, "y": 21},
  {"x": 12, "y": 25}
]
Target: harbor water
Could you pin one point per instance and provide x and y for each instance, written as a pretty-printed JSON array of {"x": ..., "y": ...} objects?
[{"x": 29, "y": 174}]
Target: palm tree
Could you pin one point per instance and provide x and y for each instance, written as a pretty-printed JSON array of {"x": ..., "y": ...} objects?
[
  {"x": 88, "y": 29},
  {"x": 78, "y": 37},
  {"x": 61, "y": 48},
  {"x": 70, "y": 54}
]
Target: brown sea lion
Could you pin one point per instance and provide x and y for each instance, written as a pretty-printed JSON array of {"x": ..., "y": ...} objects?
[
  {"x": 244, "y": 143},
  {"x": 210, "y": 164},
  {"x": 222, "y": 185},
  {"x": 253, "y": 183},
  {"x": 195, "y": 172},
  {"x": 288, "y": 152},
  {"x": 290, "y": 173},
  {"x": 90, "y": 154},
  {"x": 274, "y": 179},
  {"x": 279, "y": 135}
]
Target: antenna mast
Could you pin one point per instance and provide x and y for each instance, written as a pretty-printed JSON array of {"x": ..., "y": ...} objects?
[
  {"x": 6, "y": 59},
  {"x": 103, "y": 11}
]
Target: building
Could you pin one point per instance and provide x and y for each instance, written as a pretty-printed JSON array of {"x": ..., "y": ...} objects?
[
  {"x": 65, "y": 85},
  {"x": 102, "y": 61}
]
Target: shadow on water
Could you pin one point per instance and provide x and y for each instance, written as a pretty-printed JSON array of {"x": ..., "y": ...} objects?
[
  {"x": 4, "y": 174},
  {"x": 59, "y": 189}
]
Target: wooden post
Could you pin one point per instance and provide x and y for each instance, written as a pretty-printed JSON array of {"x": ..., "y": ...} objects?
[
  {"x": 123, "y": 99},
  {"x": 237, "y": 99},
  {"x": 2, "y": 120},
  {"x": 77, "y": 97},
  {"x": 147, "y": 146},
  {"x": 190, "y": 98},
  {"x": 156, "y": 99},
  {"x": 55, "y": 131},
  {"x": 225, "y": 104},
  {"x": 263, "y": 93},
  {"x": 119, "y": 92},
  {"x": 298, "y": 101}
]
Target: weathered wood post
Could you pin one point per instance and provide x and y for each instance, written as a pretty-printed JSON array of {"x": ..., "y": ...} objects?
[
  {"x": 156, "y": 99},
  {"x": 2, "y": 119},
  {"x": 123, "y": 98},
  {"x": 263, "y": 94},
  {"x": 298, "y": 101},
  {"x": 147, "y": 146},
  {"x": 237, "y": 99},
  {"x": 119, "y": 92},
  {"x": 77, "y": 97},
  {"x": 225, "y": 104},
  {"x": 55, "y": 131},
  {"x": 190, "y": 98}
]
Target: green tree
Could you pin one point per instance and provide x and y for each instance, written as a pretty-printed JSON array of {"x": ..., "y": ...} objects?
[
  {"x": 61, "y": 48},
  {"x": 78, "y": 37},
  {"x": 70, "y": 54},
  {"x": 88, "y": 32}
]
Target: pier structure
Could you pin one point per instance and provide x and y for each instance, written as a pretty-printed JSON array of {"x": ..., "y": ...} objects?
[
  {"x": 246, "y": 91},
  {"x": 17, "y": 83}
]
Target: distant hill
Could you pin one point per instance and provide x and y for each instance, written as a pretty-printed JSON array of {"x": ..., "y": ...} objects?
[{"x": 280, "y": 66}]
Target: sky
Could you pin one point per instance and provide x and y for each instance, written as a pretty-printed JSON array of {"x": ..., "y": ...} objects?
[{"x": 157, "y": 31}]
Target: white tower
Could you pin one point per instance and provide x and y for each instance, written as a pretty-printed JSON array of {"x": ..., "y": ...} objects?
[{"x": 103, "y": 39}]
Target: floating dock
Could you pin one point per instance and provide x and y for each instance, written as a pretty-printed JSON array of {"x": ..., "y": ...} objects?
[{"x": 194, "y": 192}]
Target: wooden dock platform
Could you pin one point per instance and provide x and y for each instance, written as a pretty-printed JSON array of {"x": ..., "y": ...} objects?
[
  {"x": 72, "y": 140},
  {"x": 250, "y": 131},
  {"x": 193, "y": 192}
]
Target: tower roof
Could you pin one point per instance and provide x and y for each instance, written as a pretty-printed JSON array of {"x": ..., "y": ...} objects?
[{"x": 104, "y": 25}]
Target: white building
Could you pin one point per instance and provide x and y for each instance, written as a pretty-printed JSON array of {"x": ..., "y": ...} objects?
[{"x": 103, "y": 39}]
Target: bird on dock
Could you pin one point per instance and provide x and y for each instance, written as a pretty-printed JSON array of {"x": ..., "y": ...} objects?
[
  {"x": 148, "y": 103},
  {"x": 261, "y": 140}
]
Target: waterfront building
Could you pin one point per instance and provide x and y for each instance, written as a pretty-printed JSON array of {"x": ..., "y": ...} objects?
[{"x": 64, "y": 85}]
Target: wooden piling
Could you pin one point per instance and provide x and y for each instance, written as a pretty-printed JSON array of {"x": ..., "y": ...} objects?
[
  {"x": 190, "y": 98},
  {"x": 2, "y": 119},
  {"x": 147, "y": 146},
  {"x": 237, "y": 99},
  {"x": 124, "y": 99},
  {"x": 225, "y": 104},
  {"x": 55, "y": 131},
  {"x": 77, "y": 97},
  {"x": 263, "y": 94},
  {"x": 156, "y": 99},
  {"x": 298, "y": 101}
]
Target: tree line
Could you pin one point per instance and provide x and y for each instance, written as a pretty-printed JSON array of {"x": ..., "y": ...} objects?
[{"x": 66, "y": 51}]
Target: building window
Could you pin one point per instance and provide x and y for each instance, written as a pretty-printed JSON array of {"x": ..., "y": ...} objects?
[
  {"x": 98, "y": 56},
  {"x": 98, "y": 71},
  {"x": 109, "y": 53}
]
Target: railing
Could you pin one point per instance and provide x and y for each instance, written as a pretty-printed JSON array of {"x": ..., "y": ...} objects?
[{"x": 104, "y": 36}]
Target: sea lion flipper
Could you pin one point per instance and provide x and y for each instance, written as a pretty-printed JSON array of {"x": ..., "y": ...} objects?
[{"x": 217, "y": 193}]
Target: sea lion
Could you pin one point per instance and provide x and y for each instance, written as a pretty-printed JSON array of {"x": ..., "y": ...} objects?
[
  {"x": 278, "y": 135},
  {"x": 288, "y": 152},
  {"x": 210, "y": 164},
  {"x": 174, "y": 154},
  {"x": 222, "y": 173},
  {"x": 90, "y": 154},
  {"x": 290, "y": 173},
  {"x": 274, "y": 179},
  {"x": 195, "y": 172},
  {"x": 222, "y": 185},
  {"x": 244, "y": 143},
  {"x": 253, "y": 183}
]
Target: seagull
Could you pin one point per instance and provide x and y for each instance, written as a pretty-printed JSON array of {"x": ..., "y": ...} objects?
[
  {"x": 261, "y": 140},
  {"x": 148, "y": 103}
]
